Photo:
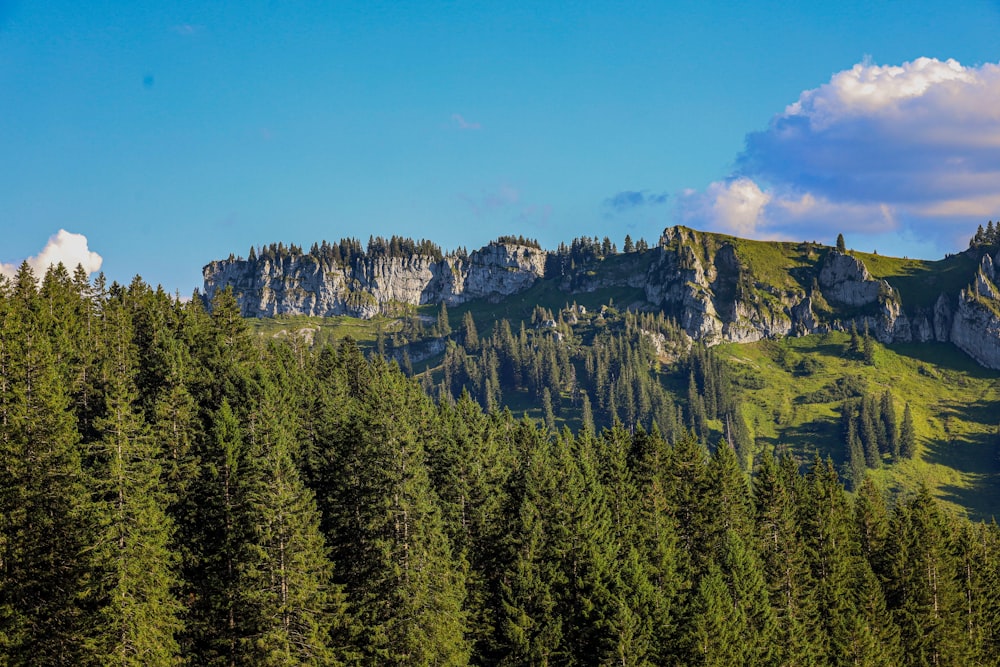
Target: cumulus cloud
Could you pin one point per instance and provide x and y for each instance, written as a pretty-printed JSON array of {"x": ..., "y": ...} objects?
[
  {"x": 914, "y": 147},
  {"x": 630, "y": 199},
  {"x": 66, "y": 247},
  {"x": 735, "y": 206}
]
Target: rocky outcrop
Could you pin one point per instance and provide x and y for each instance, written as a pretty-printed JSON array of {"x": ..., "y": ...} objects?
[
  {"x": 845, "y": 280},
  {"x": 303, "y": 284},
  {"x": 975, "y": 328},
  {"x": 701, "y": 280}
]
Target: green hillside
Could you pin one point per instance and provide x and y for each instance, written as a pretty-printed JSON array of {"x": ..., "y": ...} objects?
[
  {"x": 780, "y": 386},
  {"x": 583, "y": 347},
  {"x": 955, "y": 404}
]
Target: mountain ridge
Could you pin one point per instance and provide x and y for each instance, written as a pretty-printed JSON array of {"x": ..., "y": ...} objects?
[{"x": 718, "y": 288}]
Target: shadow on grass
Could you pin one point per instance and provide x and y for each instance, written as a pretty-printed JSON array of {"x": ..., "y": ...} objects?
[
  {"x": 806, "y": 440},
  {"x": 943, "y": 356},
  {"x": 975, "y": 455}
]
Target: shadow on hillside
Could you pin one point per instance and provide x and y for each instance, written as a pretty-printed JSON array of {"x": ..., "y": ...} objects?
[
  {"x": 806, "y": 440},
  {"x": 976, "y": 456},
  {"x": 834, "y": 350},
  {"x": 944, "y": 356}
]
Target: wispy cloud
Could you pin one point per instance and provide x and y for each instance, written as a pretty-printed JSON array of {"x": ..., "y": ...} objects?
[
  {"x": 187, "y": 29},
  {"x": 66, "y": 247},
  {"x": 504, "y": 197},
  {"x": 913, "y": 148},
  {"x": 463, "y": 124},
  {"x": 507, "y": 203},
  {"x": 535, "y": 214},
  {"x": 631, "y": 199}
]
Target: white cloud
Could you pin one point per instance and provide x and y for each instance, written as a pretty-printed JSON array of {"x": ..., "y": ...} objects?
[
  {"x": 66, "y": 247},
  {"x": 914, "y": 147},
  {"x": 735, "y": 206}
]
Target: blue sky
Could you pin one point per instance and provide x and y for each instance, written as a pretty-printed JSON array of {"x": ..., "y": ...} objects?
[{"x": 171, "y": 134}]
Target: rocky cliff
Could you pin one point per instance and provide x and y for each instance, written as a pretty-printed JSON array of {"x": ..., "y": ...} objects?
[
  {"x": 306, "y": 284},
  {"x": 975, "y": 326},
  {"x": 717, "y": 288}
]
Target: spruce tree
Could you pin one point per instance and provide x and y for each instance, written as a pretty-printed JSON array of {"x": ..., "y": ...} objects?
[
  {"x": 46, "y": 521},
  {"x": 443, "y": 323},
  {"x": 868, "y": 347},
  {"x": 657, "y": 539},
  {"x": 139, "y": 614},
  {"x": 890, "y": 427},
  {"x": 529, "y": 623},
  {"x": 907, "y": 435},
  {"x": 386, "y": 531},
  {"x": 283, "y": 577},
  {"x": 924, "y": 591},
  {"x": 786, "y": 567}
]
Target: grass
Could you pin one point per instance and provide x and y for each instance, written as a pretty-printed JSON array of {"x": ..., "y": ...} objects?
[
  {"x": 321, "y": 330},
  {"x": 952, "y": 399}
]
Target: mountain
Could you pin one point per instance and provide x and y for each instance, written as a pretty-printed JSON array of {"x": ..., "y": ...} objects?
[{"x": 717, "y": 288}]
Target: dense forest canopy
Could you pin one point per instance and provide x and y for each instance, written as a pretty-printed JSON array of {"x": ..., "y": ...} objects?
[{"x": 176, "y": 490}]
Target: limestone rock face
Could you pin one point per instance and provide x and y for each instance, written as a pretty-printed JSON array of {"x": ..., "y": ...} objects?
[
  {"x": 301, "y": 284},
  {"x": 499, "y": 270},
  {"x": 700, "y": 280},
  {"x": 845, "y": 280},
  {"x": 942, "y": 319},
  {"x": 975, "y": 327}
]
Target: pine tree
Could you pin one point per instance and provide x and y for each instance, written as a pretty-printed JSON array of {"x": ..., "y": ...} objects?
[
  {"x": 868, "y": 347},
  {"x": 887, "y": 409},
  {"x": 443, "y": 324},
  {"x": 45, "y": 513},
  {"x": 547, "y": 412},
  {"x": 470, "y": 337},
  {"x": 469, "y": 467},
  {"x": 529, "y": 623},
  {"x": 657, "y": 539},
  {"x": 714, "y": 633},
  {"x": 786, "y": 567},
  {"x": 140, "y": 617},
  {"x": 283, "y": 575},
  {"x": 870, "y": 425},
  {"x": 853, "y": 636},
  {"x": 924, "y": 592},
  {"x": 907, "y": 435},
  {"x": 586, "y": 414},
  {"x": 841, "y": 245},
  {"x": 386, "y": 531}
]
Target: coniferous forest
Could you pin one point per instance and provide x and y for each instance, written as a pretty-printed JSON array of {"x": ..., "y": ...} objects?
[{"x": 175, "y": 490}]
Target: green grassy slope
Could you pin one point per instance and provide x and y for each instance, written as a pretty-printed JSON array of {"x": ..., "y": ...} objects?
[
  {"x": 955, "y": 402},
  {"x": 955, "y": 405}
]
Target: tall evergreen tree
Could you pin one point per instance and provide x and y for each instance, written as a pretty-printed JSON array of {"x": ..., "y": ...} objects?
[
  {"x": 924, "y": 593},
  {"x": 907, "y": 435},
  {"x": 45, "y": 513},
  {"x": 139, "y": 614},
  {"x": 786, "y": 568},
  {"x": 386, "y": 531},
  {"x": 283, "y": 576}
]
